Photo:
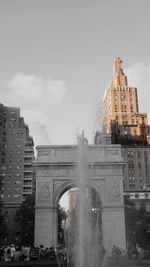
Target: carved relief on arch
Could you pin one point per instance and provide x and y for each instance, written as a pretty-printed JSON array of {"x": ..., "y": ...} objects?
[
  {"x": 114, "y": 191},
  {"x": 60, "y": 187},
  {"x": 43, "y": 193}
]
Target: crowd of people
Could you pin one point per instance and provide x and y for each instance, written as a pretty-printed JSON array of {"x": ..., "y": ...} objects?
[
  {"x": 137, "y": 252},
  {"x": 26, "y": 253},
  {"x": 132, "y": 252}
]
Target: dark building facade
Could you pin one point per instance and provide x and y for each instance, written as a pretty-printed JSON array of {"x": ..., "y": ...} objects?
[{"x": 137, "y": 165}]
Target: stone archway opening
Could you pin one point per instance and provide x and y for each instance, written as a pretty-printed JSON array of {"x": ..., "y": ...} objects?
[
  {"x": 63, "y": 208},
  {"x": 69, "y": 213}
]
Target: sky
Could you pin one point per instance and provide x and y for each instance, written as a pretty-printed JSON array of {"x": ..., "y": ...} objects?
[{"x": 56, "y": 61}]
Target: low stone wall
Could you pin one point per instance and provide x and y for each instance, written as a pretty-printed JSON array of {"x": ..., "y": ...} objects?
[
  {"x": 29, "y": 264},
  {"x": 124, "y": 262}
]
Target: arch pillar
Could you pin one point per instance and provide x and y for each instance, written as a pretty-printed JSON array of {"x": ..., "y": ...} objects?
[
  {"x": 46, "y": 226},
  {"x": 113, "y": 228},
  {"x": 45, "y": 211}
]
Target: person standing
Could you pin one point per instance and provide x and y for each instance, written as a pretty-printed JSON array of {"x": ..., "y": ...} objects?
[{"x": 12, "y": 252}]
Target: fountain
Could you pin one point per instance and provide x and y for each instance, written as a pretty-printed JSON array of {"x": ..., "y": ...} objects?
[{"x": 87, "y": 248}]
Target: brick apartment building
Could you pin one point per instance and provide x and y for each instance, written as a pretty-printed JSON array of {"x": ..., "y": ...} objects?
[{"x": 16, "y": 158}]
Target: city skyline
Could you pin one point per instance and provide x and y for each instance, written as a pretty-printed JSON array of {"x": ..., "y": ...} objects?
[{"x": 56, "y": 61}]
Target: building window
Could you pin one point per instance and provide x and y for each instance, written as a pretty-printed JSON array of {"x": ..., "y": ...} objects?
[
  {"x": 115, "y": 96},
  {"x": 141, "y": 185},
  {"x": 16, "y": 189},
  {"x": 17, "y": 182},
  {"x": 139, "y": 164},
  {"x": 131, "y": 164},
  {"x": 17, "y": 196},
  {"x": 3, "y": 167},
  {"x": 138, "y": 154},
  {"x": 17, "y": 175},
  {"x": 18, "y": 160},
  {"x": 123, "y": 96},
  {"x": 18, "y": 146},
  {"x": 124, "y": 107},
  {"x": 130, "y": 153},
  {"x": 136, "y": 195},
  {"x": 124, "y": 117},
  {"x": 132, "y": 186},
  {"x": 18, "y": 167},
  {"x": 116, "y": 106}
]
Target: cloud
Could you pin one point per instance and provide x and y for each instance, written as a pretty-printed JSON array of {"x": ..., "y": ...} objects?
[
  {"x": 41, "y": 134},
  {"x": 36, "y": 96},
  {"x": 139, "y": 76},
  {"x": 35, "y": 88}
]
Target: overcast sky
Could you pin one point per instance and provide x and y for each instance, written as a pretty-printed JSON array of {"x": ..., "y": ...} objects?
[{"x": 56, "y": 61}]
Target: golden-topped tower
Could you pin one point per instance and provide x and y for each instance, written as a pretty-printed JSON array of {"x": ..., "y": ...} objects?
[
  {"x": 121, "y": 112},
  {"x": 119, "y": 78}
]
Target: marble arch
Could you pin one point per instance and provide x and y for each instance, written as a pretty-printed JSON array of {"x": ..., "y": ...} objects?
[{"x": 56, "y": 172}]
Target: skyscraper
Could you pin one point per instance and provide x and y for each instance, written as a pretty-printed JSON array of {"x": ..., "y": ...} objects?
[
  {"x": 16, "y": 158},
  {"x": 122, "y": 118},
  {"x": 128, "y": 127}
]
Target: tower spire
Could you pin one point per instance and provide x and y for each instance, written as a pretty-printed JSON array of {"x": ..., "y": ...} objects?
[
  {"x": 119, "y": 78},
  {"x": 117, "y": 65}
]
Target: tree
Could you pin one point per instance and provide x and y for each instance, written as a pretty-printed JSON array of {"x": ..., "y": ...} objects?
[
  {"x": 24, "y": 220},
  {"x": 142, "y": 236},
  {"x": 130, "y": 220},
  {"x": 3, "y": 227},
  {"x": 61, "y": 216},
  {"x": 136, "y": 224}
]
